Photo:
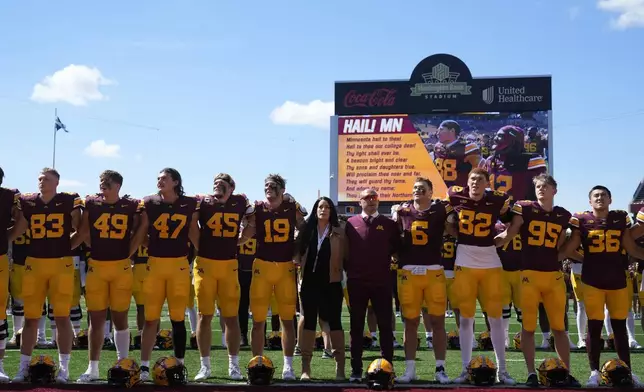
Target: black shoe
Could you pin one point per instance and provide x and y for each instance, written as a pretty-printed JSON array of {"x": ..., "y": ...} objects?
[
  {"x": 573, "y": 383},
  {"x": 532, "y": 381},
  {"x": 356, "y": 376},
  {"x": 244, "y": 341}
]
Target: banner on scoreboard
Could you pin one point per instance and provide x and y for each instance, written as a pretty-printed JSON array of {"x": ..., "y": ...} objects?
[{"x": 439, "y": 124}]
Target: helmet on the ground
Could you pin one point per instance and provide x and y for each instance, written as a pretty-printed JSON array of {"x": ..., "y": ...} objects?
[
  {"x": 553, "y": 373},
  {"x": 82, "y": 339},
  {"x": 274, "y": 341},
  {"x": 164, "y": 339},
  {"x": 367, "y": 340},
  {"x": 484, "y": 341},
  {"x": 610, "y": 343},
  {"x": 319, "y": 340},
  {"x": 380, "y": 375},
  {"x": 42, "y": 369},
  {"x": 481, "y": 371},
  {"x": 615, "y": 373},
  {"x": 516, "y": 340},
  {"x": 124, "y": 373},
  {"x": 260, "y": 370},
  {"x": 453, "y": 340},
  {"x": 168, "y": 371}
]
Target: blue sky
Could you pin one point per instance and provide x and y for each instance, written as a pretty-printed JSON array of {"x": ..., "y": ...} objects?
[{"x": 208, "y": 75}]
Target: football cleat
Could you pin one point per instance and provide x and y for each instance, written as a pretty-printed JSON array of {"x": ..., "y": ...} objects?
[
  {"x": 260, "y": 370},
  {"x": 380, "y": 375},
  {"x": 168, "y": 371}
]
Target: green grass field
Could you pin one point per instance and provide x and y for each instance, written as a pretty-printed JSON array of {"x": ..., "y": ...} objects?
[{"x": 323, "y": 369}]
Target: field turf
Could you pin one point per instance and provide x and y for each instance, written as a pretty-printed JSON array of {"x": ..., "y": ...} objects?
[{"x": 323, "y": 369}]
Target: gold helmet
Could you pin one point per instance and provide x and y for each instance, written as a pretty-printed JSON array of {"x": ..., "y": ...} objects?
[
  {"x": 260, "y": 370},
  {"x": 168, "y": 371},
  {"x": 274, "y": 341},
  {"x": 82, "y": 339},
  {"x": 553, "y": 373},
  {"x": 615, "y": 373},
  {"x": 551, "y": 342},
  {"x": 42, "y": 369},
  {"x": 517, "y": 340},
  {"x": 484, "y": 340},
  {"x": 453, "y": 340},
  {"x": 481, "y": 371},
  {"x": 367, "y": 340},
  {"x": 610, "y": 343},
  {"x": 319, "y": 340},
  {"x": 124, "y": 373},
  {"x": 380, "y": 375},
  {"x": 164, "y": 339}
]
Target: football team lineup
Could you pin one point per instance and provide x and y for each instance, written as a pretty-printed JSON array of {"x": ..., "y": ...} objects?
[{"x": 442, "y": 205}]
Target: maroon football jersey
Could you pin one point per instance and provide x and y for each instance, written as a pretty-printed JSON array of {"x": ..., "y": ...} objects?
[
  {"x": 422, "y": 233},
  {"x": 540, "y": 233},
  {"x": 9, "y": 198},
  {"x": 169, "y": 225},
  {"x": 455, "y": 161},
  {"x": 50, "y": 224},
  {"x": 20, "y": 248},
  {"x": 220, "y": 225},
  {"x": 246, "y": 254},
  {"x": 141, "y": 255},
  {"x": 110, "y": 226},
  {"x": 476, "y": 219},
  {"x": 448, "y": 253},
  {"x": 510, "y": 253},
  {"x": 514, "y": 175},
  {"x": 275, "y": 230},
  {"x": 603, "y": 265}
]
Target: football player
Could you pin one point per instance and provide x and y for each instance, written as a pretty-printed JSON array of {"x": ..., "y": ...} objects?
[
  {"x": 478, "y": 271},
  {"x": 511, "y": 169},
  {"x": 542, "y": 228},
  {"x": 51, "y": 218},
  {"x": 9, "y": 210},
  {"x": 420, "y": 273},
  {"x": 139, "y": 271},
  {"x": 215, "y": 272},
  {"x": 453, "y": 157},
  {"x": 273, "y": 225},
  {"x": 604, "y": 233},
  {"x": 108, "y": 223},
  {"x": 637, "y": 231},
  {"x": 510, "y": 255},
  {"x": 168, "y": 218}
]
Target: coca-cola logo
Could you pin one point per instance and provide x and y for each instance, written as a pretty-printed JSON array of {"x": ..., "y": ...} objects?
[{"x": 376, "y": 98}]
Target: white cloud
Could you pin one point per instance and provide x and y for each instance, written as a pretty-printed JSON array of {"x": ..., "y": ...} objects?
[
  {"x": 100, "y": 149},
  {"x": 74, "y": 84},
  {"x": 631, "y": 12},
  {"x": 70, "y": 184},
  {"x": 315, "y": 113},
  {"x": 573, "y": 12}
]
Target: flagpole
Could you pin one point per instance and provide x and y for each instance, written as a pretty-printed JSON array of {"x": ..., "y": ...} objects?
[{"x": 53, "y": 166}]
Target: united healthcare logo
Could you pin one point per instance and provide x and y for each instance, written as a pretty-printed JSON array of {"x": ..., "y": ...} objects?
[
  {"x": 441, "y": 82},
  {"x": 488, "y": 95}
]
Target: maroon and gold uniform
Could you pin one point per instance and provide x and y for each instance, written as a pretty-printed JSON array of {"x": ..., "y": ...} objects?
[
  {"x": 168, "y": 274},
  {"x": 542, "y": 277},
  {"x": 9, "y": 200},
  {"x": 109, "y": 273},
  {"x": 454, "y": 161},
  {"x": 420, "y": 271},
  {"x": 19, "y": 251},
  {"x": 139, "y": 272},
  {"x": 448, "y": 257},
  {"x": 513, "y": 174},
  {"x": 478, "y": 271},
  {"x": 215, "y": 270},
  {"x": 49, "y": 267},
  {"x": 603, "y": 267},
  {"x": 273, "y": 268},
  {"x": 510, "y": 255}
]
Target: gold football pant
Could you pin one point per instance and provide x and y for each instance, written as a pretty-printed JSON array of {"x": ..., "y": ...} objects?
[
  {"x": 4, "y": 285},
  {"x": 483, "y": 284},
  {"x": 269, "y": 277},
  {"x": 109, "y": 284},
  {"x": 546, "y": 287},
  {"x": 217, "y": 281},
  {"x": 53, "y": 277},
  {"x": 429, "y": 287},
  {"x": 616, "y": 301},
  {"x": 168, "y": 278}
]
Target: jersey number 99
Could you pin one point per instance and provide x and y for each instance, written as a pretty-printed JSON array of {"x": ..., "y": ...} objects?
[{"x": 38, "y": 226}]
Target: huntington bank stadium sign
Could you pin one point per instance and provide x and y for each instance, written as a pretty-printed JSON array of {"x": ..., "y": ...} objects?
[{"x": 439, "y": 124}]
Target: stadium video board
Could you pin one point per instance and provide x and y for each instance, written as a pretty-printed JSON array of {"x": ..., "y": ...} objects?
[{"x": 439, "y": 124}]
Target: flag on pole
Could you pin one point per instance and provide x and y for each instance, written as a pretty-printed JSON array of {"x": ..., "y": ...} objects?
[{"x": 59, "y": 125}]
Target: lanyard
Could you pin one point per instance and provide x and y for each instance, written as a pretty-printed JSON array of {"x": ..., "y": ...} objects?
[{"x": 320, "y": 241}]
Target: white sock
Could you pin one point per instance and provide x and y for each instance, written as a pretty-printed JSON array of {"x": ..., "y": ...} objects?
[
  {"x": 233, "y": 359},
  {"x": 506, "y": 327},
  {"x": 498, "y": 341},
  {"x": 18, "y": 322},
  {"x": 122, "y": 343},
  {"x": 24, "y": 361},
  {"x": 288, "y": 362},
  {"x": 630, "y": 326},
  {"x": 192, "y": 318},
  {"x": 42, "y": 328},
  {"x": 107, "y": 331},
  {"x": 582, "y": 320},
  {"x": 93, "y": 367},
  {"x": 63, "y": 362},
  {"x": 607, "y": 324},
  {"x": 181, "y": 360},
  {"x": 410, "y": 367},
  {"x": 428, "y": 335},
  {"x": 440, "y": 362},
  {"x": 145, "y": 363},
  {"x": 205, "y": 362},
  {"x": 466, "y": 337}
]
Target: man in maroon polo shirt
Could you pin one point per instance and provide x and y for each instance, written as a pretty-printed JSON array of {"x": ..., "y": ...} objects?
[{"x": 371, "y": 240}]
